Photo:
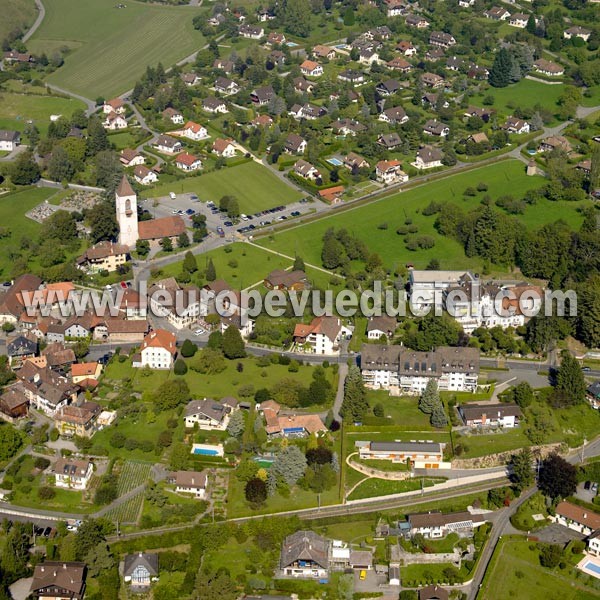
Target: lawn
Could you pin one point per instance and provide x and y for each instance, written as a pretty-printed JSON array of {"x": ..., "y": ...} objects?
[
  {"x": 123, "y": 139},
  {"x": 422, "y": 573},
  {"x": 526, "y": 94},
  {"x": 111, "y": 47},
  {"x": 16, "y": 13},
  {"x": 254, "y": 186},
  {"x": 12, "y": 216},
  {"x": 16, "y": 109},
  {"x": 371, "y": 488},
  {"x": 515, "y": 568},
  {"x": 363, "y": 221},
  {"x": 400, "y": 410}
]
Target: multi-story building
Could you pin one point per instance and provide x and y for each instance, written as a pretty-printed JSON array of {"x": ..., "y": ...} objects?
[
  {"x": 420, "y": 455},
  {"x": 158, "y": 350},
  {"x": 72, "y": 474},
  {"x": 404, "y": 371}
]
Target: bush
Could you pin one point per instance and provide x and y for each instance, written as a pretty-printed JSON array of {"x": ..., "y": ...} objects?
[
  {"x": 26, "y": 489},
  {"x": 41, "y": 463},
  {"x": 188, "y": 349},
  {"x": 46, "y": 493},
  {"x": 180, "y": 367},
  {"x": 117, "y": 440},
  {"x": 131, "y": 444}
]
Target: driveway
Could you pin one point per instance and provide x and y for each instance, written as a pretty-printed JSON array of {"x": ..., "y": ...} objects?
[
  {"x": 557, "y": 534},
  {"x": 19, "y": 590}
]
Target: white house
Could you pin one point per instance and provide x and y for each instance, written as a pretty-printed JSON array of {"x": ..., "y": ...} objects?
[
  {"x": 251, "y": 32},
  {"x": 380, "y": 326},
  {"x": 114, "y": 121},
  {"x": 593, "y": 543},
  {"x": 390, "y": 171},
  {"x": 168, "y": 145},
  {"x": 115, "y": 105},
  {"x": 428, "y": 157},
  {"x": 158, "y": 349},
  {"x": 490, "y": 415},
  {"x": 577, "y": 518},
  {"x": 435, "y": 524},
  {"x": 191, "y": 482},
  {"x": 209, "y": 414},
  {"x": 180, "y": 306},
  {"x": 514, "y": 125},
  {"x": 223, "y": 148},
  {"x": 305, "y": 554},
  {"x": 305, "y": 170},
  {"x": 9, "y": 140},
  {"x": 519, "y": 20},
  {"x": 173, "y": 115},
  {"x": 403, "y": 371},
  {"x": 72, "y": 474},
  {"x": 144, "y": 176},
  {"x": 187, "y": 162},
  {"x": 421, "y": 455},
  {"x": 322, "y": 335},
  {"x": 194, "y": 131},
  {"x": 310, "y": 68},
  {"x": 577, "y": 31}
]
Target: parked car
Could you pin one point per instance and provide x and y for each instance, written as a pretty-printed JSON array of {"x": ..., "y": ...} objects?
[
  {"x": 594, "y": 489},
  {"x": 123, "y": 285},
  {"x": 296, "y": 213},
  {"x": 173, "y": 195}
]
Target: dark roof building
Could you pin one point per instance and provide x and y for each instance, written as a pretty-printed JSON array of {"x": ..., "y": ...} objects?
[{"x": 54, "y": 579}]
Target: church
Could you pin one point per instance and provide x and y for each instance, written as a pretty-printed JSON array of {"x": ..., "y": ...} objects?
[{"x": 131, "y": 230}]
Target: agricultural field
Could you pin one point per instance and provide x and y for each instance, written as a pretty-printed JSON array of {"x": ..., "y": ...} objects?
[
  {"x": 16, "y": 13},
  {"x": 515, "y": 567},
  {"x": 109, "y": 46},
  {"x": 254, "y": 186},
  {"x": 17, "y": 109},
  {"x": 365, "y": 221}
]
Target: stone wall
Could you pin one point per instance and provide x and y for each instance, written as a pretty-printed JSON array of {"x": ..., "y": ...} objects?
[{"x": 501, "y": 458}]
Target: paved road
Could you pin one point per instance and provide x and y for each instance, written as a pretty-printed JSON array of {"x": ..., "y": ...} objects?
[
  {"x": 37, "y": 22},
  {"x": 339, "y": 396},
  {"x": 12, "y": 155}
]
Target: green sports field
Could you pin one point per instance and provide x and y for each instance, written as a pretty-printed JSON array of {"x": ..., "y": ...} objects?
[
  {"x": 17, "y": 109},
  {"x": 16, "y": 13},
  {"x": 254, "y": 186},
  {"x": 504, "y": 177},
  {"x": 110, "y": 46}
]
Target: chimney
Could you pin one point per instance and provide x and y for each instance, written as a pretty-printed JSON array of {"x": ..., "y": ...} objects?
[{"x": 585, "y": 515}]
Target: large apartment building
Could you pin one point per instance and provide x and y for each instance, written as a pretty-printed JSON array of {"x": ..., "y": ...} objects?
[{"x": 404, "y": 371}]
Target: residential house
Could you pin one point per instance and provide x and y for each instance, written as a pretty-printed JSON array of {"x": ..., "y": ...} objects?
[
  {"x": 394, "y": 116},
  {"x": 420, "y": 455},
  {"x": 223, "y": 148},
  {"x": 593, "y": 543},
  {"x": 433, "y": 591},
  {"x": 518, "y": 126},
  {"x": 13, "y": 302},
  {"x": 131, "y": 158},
  {"x": 114, "y": 121},
  {"x": 322, "y": 336},
  {"x": 265, "y": 15},
  {"x": 428, "y": 157},
  {"x": 576, "y": 31},
  {"x": 116, "y": 105},
  {"x": 57, "y": 357},
  {"x": 389, "y": 87},
  {"x": 83, "y": 371},
  {"x": 519, "y": 20},
  {"x": 348, "y": 126},
  {"x": 427, "y": 286},
  {"x": 262, "y": 95},
  {"x": 72, "y": 474},
  {"x": 181, "y": 306},
  {"x": 18, "y": 57},
  {"x": 454, "y": 63},
  {"x": 496, "y": 13},
  {"x": 390, "y": 141},
  {"x": 406, "y": 48},
  {"x": 214, "y": 105},
  {"x": 80, "y": 421},
  {"x": 310, "y": 68},
  {"x": 303, "y": 86},
  {"x": 483, "y": 113},
  {"x": 416, "y": 21},
  {"x": 188, "y": 162},
  {"x": 140, "y": 570},
  {"x": 277, "y": 57},
  {"x": 21, "y": 347},
  {"x": 226, "y": 86},
  {"x": 167, "y": 144},
  {"x": 549, "y": 68},
  {"x": 9, "y": 140},
  {"x": 555, "y": 142},
  {"x": 295, "y": 144},
  {"x": 432, "y": 80},
  {"x": 441, "y": 39},
  {"x": 144, "y": 176},
  {"x": 593, "y": 394},
  {"x": 435, "y": 524},
  {"x": 307, "y": 111},
  {"x": 304, "y": 169},
  {"x": 55, "y": 579},
  {"x": 131, "y": 304},
  {"x": 286, "y": 280},
  {"x": 173, "y": 115},
  {"x": 353, "y": 162},
  {"x": 262, "y": 121},
  {"x": 368, "y": 56},
  {"x": 158, "y": 349},
  {"x": 434, "y": 54},
  {"x": 575, "y": 517},
  {"x": 395, "y": 8},
  {"x": 122, "y": 330},
  {"x": 190, "y": 79},
  {"x": 209, "y": 414},
  {"x": 466, "y": 3},
  {"x": 223, "y": 64},
  {"x": 251, "y": 32},
  {"x": 382, "y": 325},
  {"x": 400, "y": 370},
  {"x": 352, "y": 76},
  {"x": 478, "y": 138},
  {"x": 190, "y": 482},
  {"x": 399, "y": 64},
  {"x": 46, "y": 390},
  {"x": 194, "y": 131},
  {"x": 275, "y": 38},
  {"x": 14, "y": 403},
  {"x": 435, "y": 128},
  {"x": 383, "y": 32},
  {"x": 490, "y": 415},
  {"x": 332, "y": 195},
  {"x": 390, "y": 171},
  {"x": 320, "y": 52},
  {"x": 305, "y": 554}
]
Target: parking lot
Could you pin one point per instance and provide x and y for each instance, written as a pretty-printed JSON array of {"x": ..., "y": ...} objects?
[{"x": 186, "y": 205}]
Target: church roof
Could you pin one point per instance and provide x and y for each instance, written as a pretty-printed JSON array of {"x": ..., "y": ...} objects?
[{"x": 125, "y": 188}]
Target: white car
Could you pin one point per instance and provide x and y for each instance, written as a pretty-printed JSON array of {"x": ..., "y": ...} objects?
[
  {"x": 173, "y": 195},
  {"x": 199, "y": 332}
]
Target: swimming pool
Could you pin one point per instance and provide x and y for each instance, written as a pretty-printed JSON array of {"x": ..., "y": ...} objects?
[
  {"x": 206, "y": 452},
  {"x": 590, "y": 566},
  {"x": 336, "y": 162},
  {"x": 291, "y": 44}
]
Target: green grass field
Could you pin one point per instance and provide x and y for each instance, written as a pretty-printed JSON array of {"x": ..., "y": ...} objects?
[
  {"x": 16, "y": 13},
  {"x": 254, "y": 186},
  {"x": 515, "y": 568},
  {"x": 111, "y": 47},
  {"x": 370, "y": 488},
  {"x": 502, "y": 178},
  {"x": 17, "y": 109}
]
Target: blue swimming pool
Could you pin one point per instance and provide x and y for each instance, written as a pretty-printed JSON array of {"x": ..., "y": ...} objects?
[
  {"x": 592, "y": 567},
  {"x": 206, "y": 452},
  {"x": 336, "y": 162}
]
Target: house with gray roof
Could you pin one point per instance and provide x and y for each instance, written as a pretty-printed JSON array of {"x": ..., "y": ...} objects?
[
  {"x": 209, "y": 414},
  {"x": 305, "y": 554},
  {"x": 139, "y": 570}
]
